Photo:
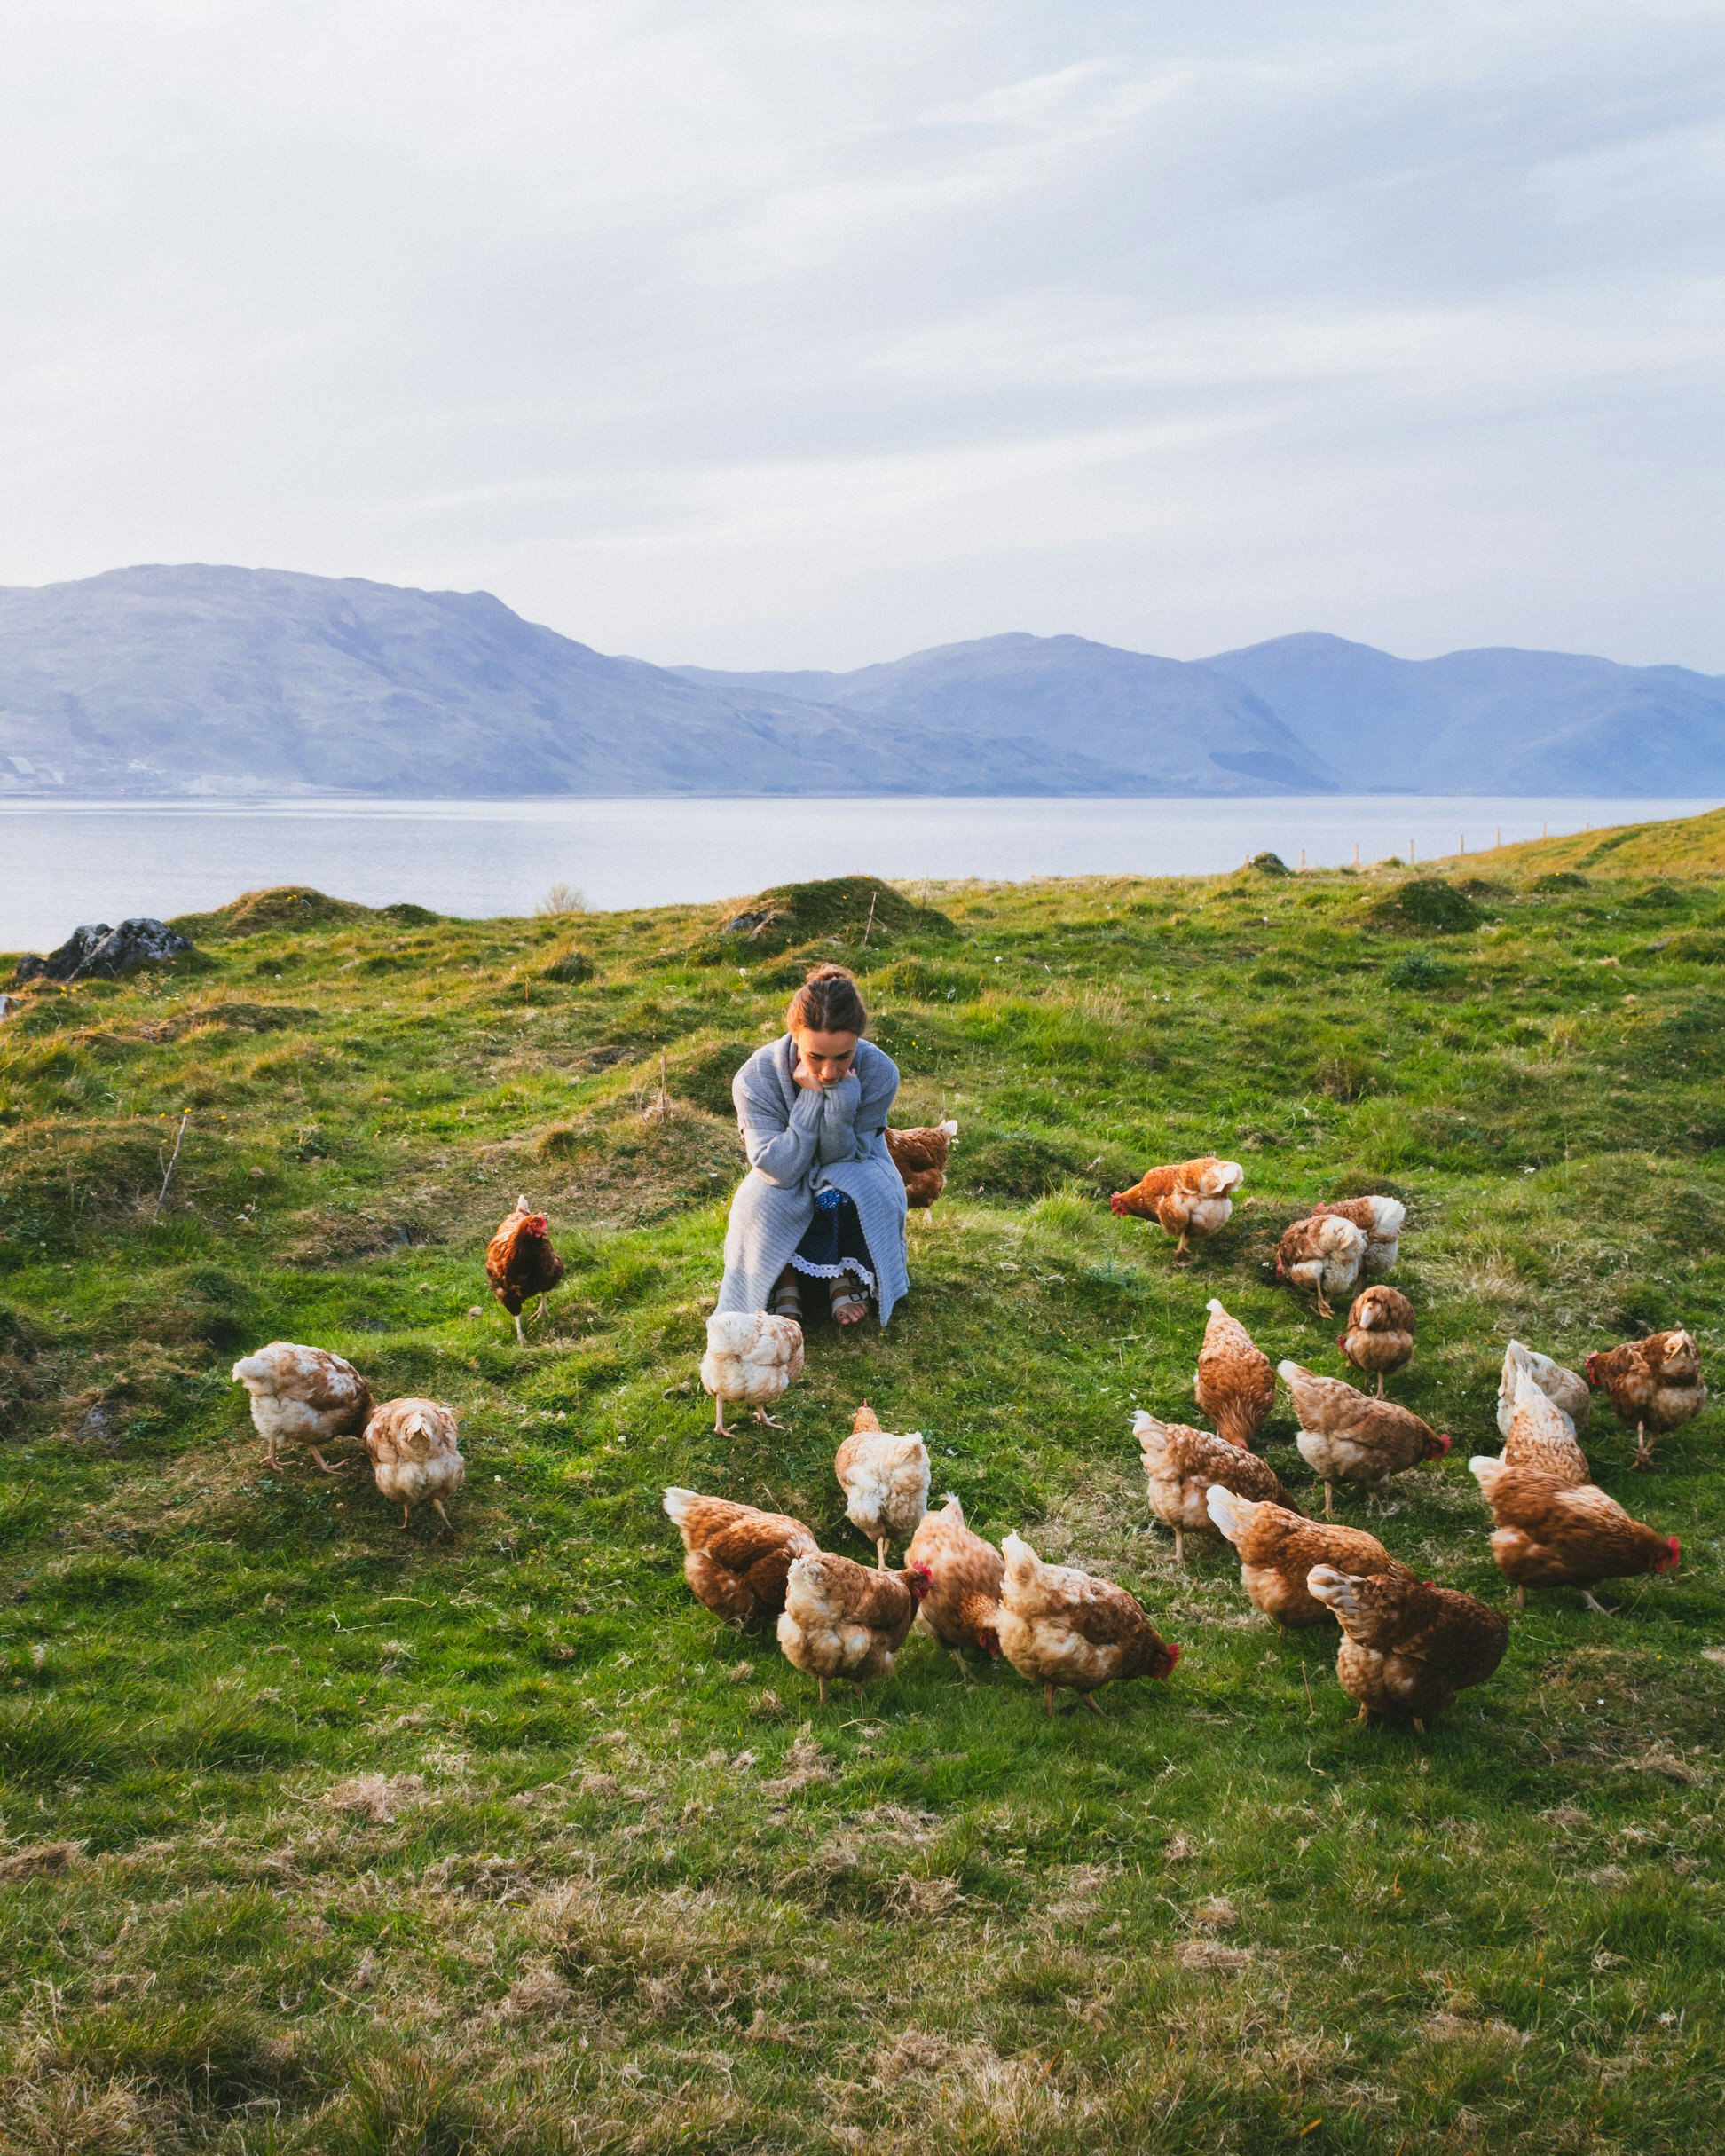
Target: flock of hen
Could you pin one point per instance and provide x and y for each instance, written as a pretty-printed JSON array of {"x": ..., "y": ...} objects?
[{"x": 1407, "y": 1645}]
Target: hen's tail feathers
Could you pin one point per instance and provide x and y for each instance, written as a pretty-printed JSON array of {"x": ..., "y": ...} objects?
[
  {"x": 677, "y": 1502},
  {"x": 1485, "y": 1469},
  {"x": 1232, "y": 1514},
  {"x": 948, "y": 1128},
  {"x": 1326, "y": 1585},
  {"x": 1215, "y": 1308}
]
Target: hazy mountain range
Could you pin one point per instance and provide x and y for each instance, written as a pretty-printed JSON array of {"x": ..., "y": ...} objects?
[{"x": 200, "y": 679}]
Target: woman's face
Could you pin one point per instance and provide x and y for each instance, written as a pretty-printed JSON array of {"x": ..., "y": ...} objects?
[{"x": 826, "y": 1057}]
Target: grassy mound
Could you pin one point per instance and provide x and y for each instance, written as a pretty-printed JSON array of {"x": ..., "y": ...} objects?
[
  {"x": 1423, "y": 905},
  {"x": 318, "y": 1835},
  {"x": 846, "y": 913}
]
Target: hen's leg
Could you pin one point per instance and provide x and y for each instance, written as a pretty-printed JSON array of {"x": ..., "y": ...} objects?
[
  {"x": 1048, "y": 1702},
  {"x": 1598, "y": 1607},
  {"x": 521, "y": 1338},
  {"x": 1644, "y": 1450},
  {"x": 1324, "y": 1309},
  {"x": 323, "y": 1463},
  {"x": 1180, "y": 1247},
  {"x": 1089, "y": 1699},
  {"x": 1329, "y": 1501},
  {"x": 403, "y": 1515},
  {"x": 821, "y": 1682},
  {"x": 269, "y": 1451},
  {"x": 1365, "y": 1714},
  {"x": 718, "y": 1416},
  {"x": 880, "y": 1553},
  {"x": 772, "y": 1421},
  {"x": 1179, "y": 1547},
  {"x": 959, "y": 1659},
  {"x": 1379, "y": 1384},
  {"x": 1521, "y": 1597},
  {"x": 448, "y": 1523},
  {"x": 1419, "y": 1726}
]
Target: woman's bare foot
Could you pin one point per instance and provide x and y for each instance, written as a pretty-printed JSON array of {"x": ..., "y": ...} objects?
[{"x": 787, "y": 1296}]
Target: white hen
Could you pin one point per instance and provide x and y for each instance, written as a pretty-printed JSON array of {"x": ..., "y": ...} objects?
[
  {"x": 752, "y": 1357},
  {"x": 1566, "y": 1389},
  {"x": 414, "y": 1456},
  {"x": 885, "y": 1480},
  {"x": 303, "y": 1396}
]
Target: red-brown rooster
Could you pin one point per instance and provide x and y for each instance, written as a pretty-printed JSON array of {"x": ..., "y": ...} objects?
[{"x": 521, "y": 1263}]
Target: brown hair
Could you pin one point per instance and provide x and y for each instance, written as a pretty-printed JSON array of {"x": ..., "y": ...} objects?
[{"x": 828, "y": 1002}]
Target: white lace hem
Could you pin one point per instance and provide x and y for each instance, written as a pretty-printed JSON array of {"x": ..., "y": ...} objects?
[{"x": 835, "y": 1273}]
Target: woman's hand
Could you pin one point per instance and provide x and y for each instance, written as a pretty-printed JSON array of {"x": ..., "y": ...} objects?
[{"x": 806, "y": 1080}]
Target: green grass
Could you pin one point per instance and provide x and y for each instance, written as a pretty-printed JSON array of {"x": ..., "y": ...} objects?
[{"x": 350, "y": 1839}]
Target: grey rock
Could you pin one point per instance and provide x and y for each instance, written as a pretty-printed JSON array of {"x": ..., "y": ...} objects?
[{"x": 106, "y": 952}]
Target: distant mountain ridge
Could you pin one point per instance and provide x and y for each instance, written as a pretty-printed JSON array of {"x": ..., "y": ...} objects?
[{"x": 170, "y": 680}]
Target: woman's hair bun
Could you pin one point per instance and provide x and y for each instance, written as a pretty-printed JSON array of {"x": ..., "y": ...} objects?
[{"x": 828, "y": 1002}]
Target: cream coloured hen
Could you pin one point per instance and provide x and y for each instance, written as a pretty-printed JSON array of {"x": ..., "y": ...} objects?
[
  {"x": 303, "y": 1396},
  {"x": 885, "y": 1480},
  {"x": 1348, "y": 1436},
  {"x": 1566, "y": 1388},
  {"x": 841, "y": 1620},
  {"x": 1060, "y": 1628},
  {"x": 414, "y": 1456},
  {"x": 1181, "y": 1465},
  {"x": 752, "y": 1357},
  {"x": 1323, "y": 1254}
]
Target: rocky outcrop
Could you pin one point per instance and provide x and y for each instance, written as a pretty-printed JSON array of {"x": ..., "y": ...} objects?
[{"x": 106, "y": 952}]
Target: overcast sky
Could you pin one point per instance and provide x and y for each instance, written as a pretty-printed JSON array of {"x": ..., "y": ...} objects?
[{"x": 776, "y": 335}]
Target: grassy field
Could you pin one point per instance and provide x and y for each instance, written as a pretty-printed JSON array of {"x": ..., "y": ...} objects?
[{"x": 319, "y": 1834}]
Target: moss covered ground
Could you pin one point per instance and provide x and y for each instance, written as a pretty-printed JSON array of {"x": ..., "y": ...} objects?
[{"x": 319, "y": 1834}]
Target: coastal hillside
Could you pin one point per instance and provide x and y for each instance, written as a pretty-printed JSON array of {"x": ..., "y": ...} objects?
[
  {"x": 165, "y": 680},
  {"x": 1686, "y": 845},
  {"x": 326, "y": 1835},
  {"x": 201, "y": 679},
  {"x": 1492, "y": 721}
]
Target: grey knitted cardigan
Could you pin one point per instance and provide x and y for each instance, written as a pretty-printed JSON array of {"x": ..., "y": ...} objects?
[{"x": 799, "y": 1141}]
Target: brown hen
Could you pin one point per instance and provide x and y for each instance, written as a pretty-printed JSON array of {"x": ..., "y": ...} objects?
[
  {"x": 1181, "y": 1466},
  {"x": 1347, "y": 1436},
  {"x": 1190, "y": 1198},
  {"x": 1278, "y": 1548},
  {"x": 1407, "y": 1648},
  {"x": 1379, "y": 1339},
  {"x": 1235, "y": 1384},
  {"x": 1059, "y": 1626},
  {"x": 962, "y": 1606},
  {"x": 521, "y": 1263},
  {"x": 842, "y": 1620},
  {"x": 735, "y": 1558},
  {"x": 1655, "y": 1383},
  {"x": 920, "y": 1157},
  {"x": 1550, "y": 1535}
]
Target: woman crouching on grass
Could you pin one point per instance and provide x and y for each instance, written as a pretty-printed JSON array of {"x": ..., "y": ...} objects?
[{"x": 822, "y": 1199}]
